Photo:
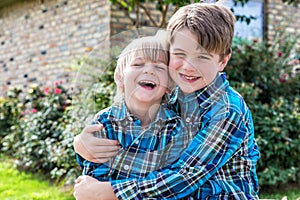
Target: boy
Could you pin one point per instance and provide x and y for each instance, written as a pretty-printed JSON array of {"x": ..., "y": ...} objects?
[
  {"x": 139, "y": 119},
  {"x": 220, "y": 162}
]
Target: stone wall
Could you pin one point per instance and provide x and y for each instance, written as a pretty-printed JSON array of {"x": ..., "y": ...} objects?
[
  {"x": 281, "y": 17},
  {"x": 38, "y": 36}
]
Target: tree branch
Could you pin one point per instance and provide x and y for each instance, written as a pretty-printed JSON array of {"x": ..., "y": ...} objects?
[{"x": 148, "y": 15}]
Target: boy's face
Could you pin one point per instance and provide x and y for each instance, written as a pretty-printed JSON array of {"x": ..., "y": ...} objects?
[
  {"x": 145, "y": 81},
  {"x": 191, "y": 67}
]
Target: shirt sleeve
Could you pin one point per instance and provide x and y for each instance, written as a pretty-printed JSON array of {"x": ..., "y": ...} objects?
[
  {"x": 217, "y": 140},
  {"x": 101, "y": 171}
]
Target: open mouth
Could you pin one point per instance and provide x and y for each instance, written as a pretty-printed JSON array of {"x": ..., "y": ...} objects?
[{"x": 150, "y": 85}]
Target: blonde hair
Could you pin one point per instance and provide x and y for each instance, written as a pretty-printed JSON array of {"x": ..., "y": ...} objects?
[
  {"x": 150, "y": 47},
  {"x": 213, "y": 24}
]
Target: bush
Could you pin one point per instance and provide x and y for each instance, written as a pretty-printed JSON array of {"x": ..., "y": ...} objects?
[
  {"x": 40, "y": 124},
  {"x": 265, "y": 76},
  {"x": 10, "y": 109}
]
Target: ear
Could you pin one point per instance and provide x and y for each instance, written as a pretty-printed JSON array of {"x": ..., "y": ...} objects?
[
  {"x": 119, "y": 80},
  {"x": 224, "y": 62}
]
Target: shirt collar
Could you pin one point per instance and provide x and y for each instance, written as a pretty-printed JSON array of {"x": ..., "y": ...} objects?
[
  {"x": 119, "y": 112},
  {"x": 205, "y": 96}
]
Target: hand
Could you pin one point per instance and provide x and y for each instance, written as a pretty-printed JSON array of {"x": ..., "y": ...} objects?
[
  {"x": 97, "y": 150},
  {"x": 88, "y": 188}
]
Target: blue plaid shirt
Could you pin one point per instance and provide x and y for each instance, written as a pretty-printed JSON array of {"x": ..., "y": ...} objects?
[
  {"x": 219, "y": 163},
  {"x": 142, "y": 151}
]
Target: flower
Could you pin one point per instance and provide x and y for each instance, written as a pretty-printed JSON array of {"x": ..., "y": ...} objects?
[
  {"x": 33, "y": 110},
  {"x": 57, "y": 91},
  {"x": 46, "y": 91},
  {"x": 284, "y": 78},
  {"x": 279, "y": 54}
]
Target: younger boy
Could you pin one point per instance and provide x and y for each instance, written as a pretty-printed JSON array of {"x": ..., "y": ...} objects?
[
  {"x": 220, "y": 162},
  {"x": 140, "y": 120}
]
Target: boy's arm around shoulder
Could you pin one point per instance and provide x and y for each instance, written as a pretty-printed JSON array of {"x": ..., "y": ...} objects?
[
  {"x": 98, "y": 150},
  {"x": 221, "y": 135}
]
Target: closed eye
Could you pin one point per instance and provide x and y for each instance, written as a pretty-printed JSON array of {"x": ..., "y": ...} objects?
[
  {"x": 161, "y": 67},
  {"x": 178, "y": 54},
  {"x": 204, "y": 57}
]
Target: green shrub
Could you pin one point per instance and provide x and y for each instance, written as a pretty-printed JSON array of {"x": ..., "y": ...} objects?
[
  {"x": 263, "y": 74},
  {"x": 10, "y": 109},
  {"x": 40, "y": 124},
  {"x": 38, "y": 135}
]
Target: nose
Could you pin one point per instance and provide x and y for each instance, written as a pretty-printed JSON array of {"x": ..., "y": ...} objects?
[
  {"x": 188, "y": 65},
  {"x": 149, "y": 69}
]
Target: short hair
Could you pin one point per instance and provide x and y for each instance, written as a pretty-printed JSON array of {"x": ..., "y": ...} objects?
[
  {"x": 213, "y": 24},
  {"x": 150, "y": 47}
]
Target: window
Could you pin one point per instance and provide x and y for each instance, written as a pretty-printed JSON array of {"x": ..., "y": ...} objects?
[{"x": 251, "y": 8}]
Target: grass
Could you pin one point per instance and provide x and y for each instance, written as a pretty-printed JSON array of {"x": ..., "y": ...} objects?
[
  {"x": 286, "y": 192},
  {"x": 17, "y": 185}
]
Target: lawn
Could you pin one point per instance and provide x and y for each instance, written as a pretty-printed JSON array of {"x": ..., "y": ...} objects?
[{"x": 16, "y": 185}]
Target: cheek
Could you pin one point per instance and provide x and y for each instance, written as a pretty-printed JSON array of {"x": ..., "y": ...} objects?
[{"x": 174, "y": 62}]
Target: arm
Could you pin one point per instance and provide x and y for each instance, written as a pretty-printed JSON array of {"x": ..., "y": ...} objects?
[
  {"x": 211, "y": 148},
  {"x": 98, "y": 150}
]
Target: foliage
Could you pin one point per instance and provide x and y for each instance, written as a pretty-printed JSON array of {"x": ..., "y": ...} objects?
[
  {"x": 10, "y": 109},
  {"x": 38, "y": 137},
  {"x": 41, "y": 123},
  {"x": 265, "y": 74}
]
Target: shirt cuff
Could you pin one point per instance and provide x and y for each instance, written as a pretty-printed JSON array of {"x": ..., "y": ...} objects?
[{"x": 126, "y": 189}]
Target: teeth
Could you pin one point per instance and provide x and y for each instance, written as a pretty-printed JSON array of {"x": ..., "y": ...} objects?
[
  {"x": 147, "y": 83},
  {"x": 190, "y": 77}
]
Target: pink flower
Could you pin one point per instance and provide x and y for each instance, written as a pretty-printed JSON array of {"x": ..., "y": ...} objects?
[
  {"x": 57, "y": 91},
  {"x": 22, "y": 113},
  {"x": 279, "y": 54},
  {"x": 56, "y": 83},
  {"x": 296, "y": 62},
  {"x": 60, "y": 82},
  {"x": 33, "y": 110},
  {"x": 46, "y": 91},
  {"x": 284, "y": 78}
]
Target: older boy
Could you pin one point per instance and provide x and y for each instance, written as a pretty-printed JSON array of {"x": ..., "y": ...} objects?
[{"x": 220, "y": 162}]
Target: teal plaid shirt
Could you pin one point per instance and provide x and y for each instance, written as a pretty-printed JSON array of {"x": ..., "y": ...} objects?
[
  {"x": 219, "y": 163},
  {"x": 142, "y": 151}
]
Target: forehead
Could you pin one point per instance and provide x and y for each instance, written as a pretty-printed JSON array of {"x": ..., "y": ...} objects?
[
  {"x": 153, "y": 55},
  {"x": 184, "y": 40}
]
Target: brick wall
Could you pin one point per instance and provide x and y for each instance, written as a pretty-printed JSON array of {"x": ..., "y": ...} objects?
[
  {"x": 38, "y": 36},
  {"x": 280, "y": 16}
]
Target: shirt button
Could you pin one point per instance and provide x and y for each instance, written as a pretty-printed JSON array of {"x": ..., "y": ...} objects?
[
  {"x": 126, "y": 167},
  {"x": 188, "y": 119},
  {"x": 130, "y": 119},
  {"x": 137, "y": 142}
]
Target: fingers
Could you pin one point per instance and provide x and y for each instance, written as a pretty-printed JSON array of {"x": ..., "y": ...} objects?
[
  {"x": 78, "y": 180},
  {"x": 92, "y": 128},
  {"x": 106, "y": 142}
]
